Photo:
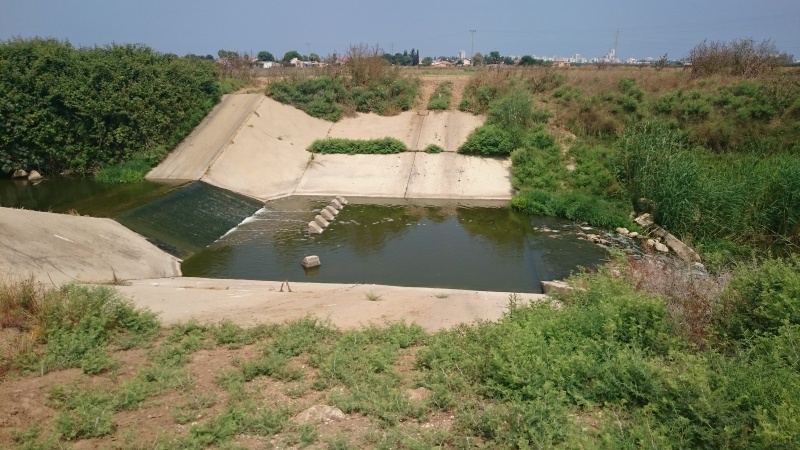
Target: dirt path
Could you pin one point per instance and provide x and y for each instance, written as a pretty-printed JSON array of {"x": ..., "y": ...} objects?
[{"x": 429, "y": 83}]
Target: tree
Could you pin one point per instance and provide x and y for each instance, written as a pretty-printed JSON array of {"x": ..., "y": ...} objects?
[
  {"x": 414, "y": 57},
  {"x": 478, "y": 60},
  {"x": 265, "y": 56},
  {"x": 427, "y": 61},
  {"x": 291, "y": 54},
  {"x": 507, "y": 60},
  {"x": 314, "y": 57},
  {"x": 493, "y": 57},
  {"x": 228, "y": 54},
  {"x": 529, "y": 60}
]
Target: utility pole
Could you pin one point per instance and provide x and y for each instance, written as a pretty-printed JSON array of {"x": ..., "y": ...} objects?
[
  {"x": 472, "y": 50},
  {"x": 308, "y": 50}
]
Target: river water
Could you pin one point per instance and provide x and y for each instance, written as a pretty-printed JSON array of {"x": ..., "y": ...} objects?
[{"x": 220, "y": 234}]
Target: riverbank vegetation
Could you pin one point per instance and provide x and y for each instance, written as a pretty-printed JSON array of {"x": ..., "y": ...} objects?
[
  {"x": 640, "y": 356},
  {"x": 67, "y": 110},
  {"x": 711, "y": 151},
  {"x": 366, "y": 82}
]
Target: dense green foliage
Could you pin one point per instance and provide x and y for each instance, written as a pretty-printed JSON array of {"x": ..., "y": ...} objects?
[
  {"x": 382, "y": 146},
  {"x": 78, "y": 110},
  {"x": 440, "y": 99},
  {"x": 607, "y": 368},
  {"x": 330, "y": 98},
  {"x": 489, "y": 140},
  {"x": 694, "y": 192},
  {"x": 714, "y": 159}
]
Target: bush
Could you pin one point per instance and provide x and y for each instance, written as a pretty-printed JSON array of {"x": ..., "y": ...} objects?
[
  {"x": 489, "y": 140},
  {"x": 573, "y": 205},
  {"x": 80, "y": 110},
  {"x": 760, "y": 299},
  {"x": 358, "y": 146},
  {"x": 537, "y": 163},
  {"x": 74, "y": 325},
  {"x": 740, "y": 57},
  {"x": 328, "y": 98}
]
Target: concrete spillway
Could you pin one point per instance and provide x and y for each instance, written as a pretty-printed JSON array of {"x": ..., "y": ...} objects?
[{"x": 264, "y": 155}]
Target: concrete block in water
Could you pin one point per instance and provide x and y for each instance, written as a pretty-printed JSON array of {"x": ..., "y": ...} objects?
[
  {"x": 19, "y": 173},
  {"x": 335, "y": 203},
  {"x": 341, "y": 200},
  {"x": 326, "y": 214},
  {"x": 311, "y": 261},
  {"x": 556, "y": 287},
  {"x": 321, "y": 221},
  {"x": 314, "y": 228},
  {"x": 332, "y": 210}
]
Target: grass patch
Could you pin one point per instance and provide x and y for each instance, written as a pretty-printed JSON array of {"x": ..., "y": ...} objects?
[
  {"x": 617, "y": 363},
  {"x": 73, "y": 326},
  {"x": 373, "y": 297},
  {"x": 382, "y": 146},
  {"x": 133, "y": 170}
]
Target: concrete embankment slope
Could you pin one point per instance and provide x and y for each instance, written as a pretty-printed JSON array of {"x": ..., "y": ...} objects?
[
  {"x": 61, "y": 248},
  {"x": 193, "y": 156},
  {"x": 266, "y": 157}
]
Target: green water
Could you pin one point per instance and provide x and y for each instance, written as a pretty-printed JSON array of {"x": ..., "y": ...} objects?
[
  {"x": 402, "y": 243},
  {"x": 86, "y": 197},
  {"x": 220, "y": 234},
  {"x": 182, "y": 218}
]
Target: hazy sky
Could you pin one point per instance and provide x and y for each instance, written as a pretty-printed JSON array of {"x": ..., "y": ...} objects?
[{"x": 437, "y": 28}]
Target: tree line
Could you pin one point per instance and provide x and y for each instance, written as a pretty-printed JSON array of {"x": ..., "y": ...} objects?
[{"x": 77, "y": 110}]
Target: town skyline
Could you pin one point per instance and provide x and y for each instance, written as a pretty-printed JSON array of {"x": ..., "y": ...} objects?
[{"x": 514, "y": 27}]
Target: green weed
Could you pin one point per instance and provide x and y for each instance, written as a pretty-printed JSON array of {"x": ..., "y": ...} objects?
[
  {"x": 358, "y": 146},
  {"x": 433, "y": 148}
]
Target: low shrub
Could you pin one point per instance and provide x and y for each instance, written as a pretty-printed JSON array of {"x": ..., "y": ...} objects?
[
  {"x": 761, "y": 298},
  {"x": 358, "y": 146},
  {"x": 72, "y": 326},
  {"x": 537, "y": 162},
  {"x": 433, "y": 148},
  {"x": 573, "y": 205},
  {"x": 489, "y": 140},
  {"x": 328, "y": 97},
  {"x": 129, "y": 171}
]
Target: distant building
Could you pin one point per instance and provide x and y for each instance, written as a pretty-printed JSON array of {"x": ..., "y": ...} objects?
[{"x": 462, "y": 54}]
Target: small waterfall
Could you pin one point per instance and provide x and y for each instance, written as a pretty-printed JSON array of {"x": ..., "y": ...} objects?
[{"x": 187, "y": 220}]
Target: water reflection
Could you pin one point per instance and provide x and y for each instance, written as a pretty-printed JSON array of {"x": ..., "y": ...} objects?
[
  {"x": 85, "y": 196},
  {"x": 397, "y": 243}
]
